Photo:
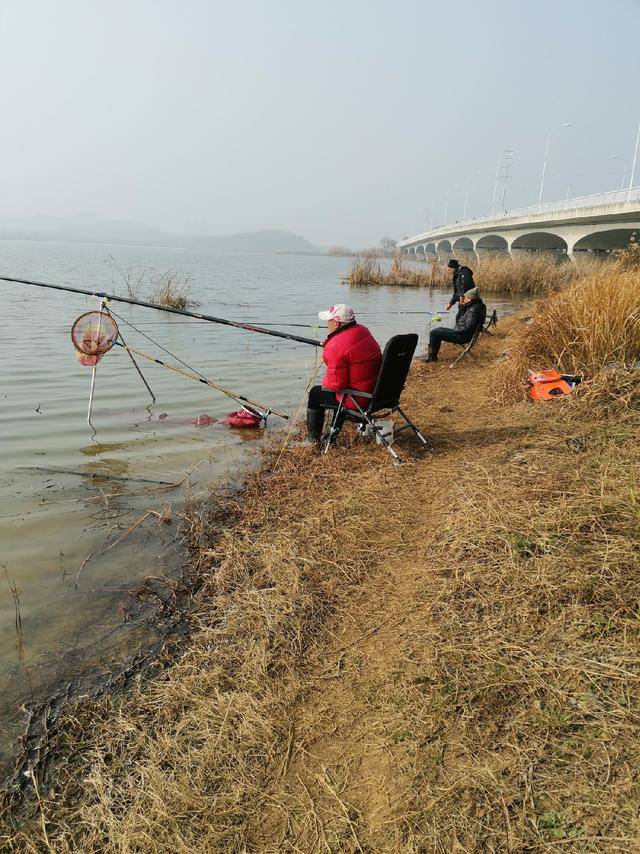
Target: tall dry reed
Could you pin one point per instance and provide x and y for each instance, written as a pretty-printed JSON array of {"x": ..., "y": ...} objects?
[
  {"x": 171, "y": 289},
  {"x": 367, "y": 270},
  {"x": 592, "y": 326},
  {"x": 522, "y": 275}
]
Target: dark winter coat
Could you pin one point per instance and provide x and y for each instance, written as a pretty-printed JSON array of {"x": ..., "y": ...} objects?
[
  {"x": 462, "y": 282},
  {"x": 352, "y": 356},
  {"x": 470, "y": 316}
]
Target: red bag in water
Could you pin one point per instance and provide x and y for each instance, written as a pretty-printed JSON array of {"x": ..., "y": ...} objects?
[{"x": 243, "y": 419}]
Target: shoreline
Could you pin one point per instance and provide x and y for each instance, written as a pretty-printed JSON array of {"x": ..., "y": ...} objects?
[{"x": 359, "y": 622}]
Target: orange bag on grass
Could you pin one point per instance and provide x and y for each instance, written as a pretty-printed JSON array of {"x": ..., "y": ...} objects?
[{"x": 547, "y": 385}]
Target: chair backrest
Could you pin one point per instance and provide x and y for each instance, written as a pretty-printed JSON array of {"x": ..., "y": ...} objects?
[{"x": 396, "y": 361}]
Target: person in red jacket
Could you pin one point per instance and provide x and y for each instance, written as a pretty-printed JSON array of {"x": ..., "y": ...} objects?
[{"x": 352, "y": 356}]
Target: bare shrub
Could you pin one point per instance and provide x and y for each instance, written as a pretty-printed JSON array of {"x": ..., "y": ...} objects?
[
  {"x": 134, "y": 279},
  {"x": 168, "y": 288},
  {"x": 171, "y": 289}
]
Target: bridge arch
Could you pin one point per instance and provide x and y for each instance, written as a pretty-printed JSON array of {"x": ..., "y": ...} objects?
[
  {"x": 464, "y": 246},
  {"x": 606, "y": 241},
  {"x": 540, "y": 241},
  {"x": 492, "y": 243}
]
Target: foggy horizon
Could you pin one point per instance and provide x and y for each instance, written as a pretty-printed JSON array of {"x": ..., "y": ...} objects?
[{"x": 342, "y": 123}]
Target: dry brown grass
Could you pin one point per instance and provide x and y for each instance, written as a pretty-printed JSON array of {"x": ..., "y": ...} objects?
[
  {"x": 435, "y": 658},
  {"x": 171, "y": 289},
  {"x": 367, "y": 270},
  {"x": 168, "y": 288},
  {"x": 591, "y": 328},
  {"x": 535, "y": 274}
]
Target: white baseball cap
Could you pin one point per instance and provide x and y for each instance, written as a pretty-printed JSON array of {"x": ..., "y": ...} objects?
[{"x": 340, "y": 311}]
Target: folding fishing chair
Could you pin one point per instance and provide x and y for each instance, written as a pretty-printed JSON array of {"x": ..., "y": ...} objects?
[
  {"x": 385, "y": 400},
  {"x": 481, "y": 329}
]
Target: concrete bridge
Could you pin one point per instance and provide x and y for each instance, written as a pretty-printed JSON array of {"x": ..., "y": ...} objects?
[{"x": 591, "y": 224}]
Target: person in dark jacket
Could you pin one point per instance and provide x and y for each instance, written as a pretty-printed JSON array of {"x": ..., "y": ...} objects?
[
  {"x": 472, "y": 313},
  {"x": 462, "y": 282},
  {"x": 352, "y": 356}
]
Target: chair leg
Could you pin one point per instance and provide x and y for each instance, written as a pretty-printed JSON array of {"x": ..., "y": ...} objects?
[
  {"x": 377, "y": 431},
  {"x": 335, "y": 426},
  {"x": 425, "y": 441},
  {"x": 465, "y": 352}
]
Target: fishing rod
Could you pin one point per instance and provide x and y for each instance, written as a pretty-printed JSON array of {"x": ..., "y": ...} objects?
[
  {"x": 240, "y": 398},
  {"x": 101, "y": 295}
]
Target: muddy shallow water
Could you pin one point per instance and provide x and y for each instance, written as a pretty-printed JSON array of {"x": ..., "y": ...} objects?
[{"x": 67, "y": 493}]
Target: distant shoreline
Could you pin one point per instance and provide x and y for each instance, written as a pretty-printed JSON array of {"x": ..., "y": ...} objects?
[{"x": 95, "y": 242}]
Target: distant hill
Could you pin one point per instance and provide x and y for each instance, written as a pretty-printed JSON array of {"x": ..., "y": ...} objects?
[
  {"x": 85, "y": 228},
  {"x": 88, "y": 228},
  {"x": 258, "y": 241}
]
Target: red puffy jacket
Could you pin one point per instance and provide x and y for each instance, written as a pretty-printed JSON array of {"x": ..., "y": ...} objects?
[{"x": 352, "y": 356}]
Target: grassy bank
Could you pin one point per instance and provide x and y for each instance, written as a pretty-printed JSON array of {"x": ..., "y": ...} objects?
[
  {"x": 524, "y": 275},
  {"x": 433, "y": 658}
]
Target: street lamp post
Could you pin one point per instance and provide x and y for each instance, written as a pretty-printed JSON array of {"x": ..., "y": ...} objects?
[
  {"x": 635, "y": 160},
  {"x": 506, "y": 155},
  {"x": 546, "y": 157},
  {"x": 505, "y": 178},
  {"x": 466, "y": 194},
  {"x": 495, "y": 185}
]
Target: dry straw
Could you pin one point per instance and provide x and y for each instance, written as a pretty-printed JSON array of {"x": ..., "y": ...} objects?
[
  {"x": 591, "y": 328},
  {"x": 496, "y": 273}
]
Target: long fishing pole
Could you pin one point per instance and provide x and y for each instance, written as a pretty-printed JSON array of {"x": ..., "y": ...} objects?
[
  {"x": 112, "y": 297},
  {"x": 240, "y": 398}
]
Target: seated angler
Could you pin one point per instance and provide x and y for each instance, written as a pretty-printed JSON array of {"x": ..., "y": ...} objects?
[
  {"x": 352, "y": 356},
  {"x": 471, "y": 314}
]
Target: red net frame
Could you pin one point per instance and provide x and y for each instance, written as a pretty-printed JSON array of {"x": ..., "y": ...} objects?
[{"x": 93, "y": 334}]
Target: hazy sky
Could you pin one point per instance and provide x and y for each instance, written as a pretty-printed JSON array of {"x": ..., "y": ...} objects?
[{"x": 342, "y": 121}]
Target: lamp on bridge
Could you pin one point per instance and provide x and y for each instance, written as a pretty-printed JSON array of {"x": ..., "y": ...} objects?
[{"x": 546, "y": 156}]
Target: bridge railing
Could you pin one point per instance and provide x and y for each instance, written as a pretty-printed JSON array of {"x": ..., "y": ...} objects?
[{"x": 614, "y": 197}]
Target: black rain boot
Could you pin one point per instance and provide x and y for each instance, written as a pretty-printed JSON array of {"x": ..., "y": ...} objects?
[{"x": 315, "y": 424}]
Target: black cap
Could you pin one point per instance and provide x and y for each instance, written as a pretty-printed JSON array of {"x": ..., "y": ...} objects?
[{"x": 453, "y": 263}]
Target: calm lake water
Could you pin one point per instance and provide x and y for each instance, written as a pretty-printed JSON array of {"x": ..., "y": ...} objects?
[{"x": 67, "y": 493}]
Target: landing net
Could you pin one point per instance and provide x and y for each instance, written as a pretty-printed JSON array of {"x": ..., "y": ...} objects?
[{"x": 93, "y": 334}]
